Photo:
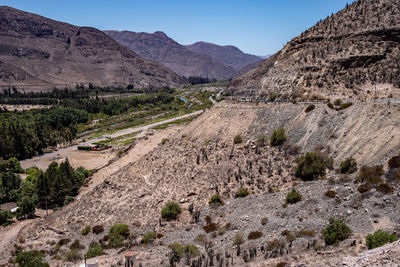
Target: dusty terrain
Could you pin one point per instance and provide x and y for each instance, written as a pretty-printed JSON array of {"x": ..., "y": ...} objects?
[{"x": 201, "y": 160}]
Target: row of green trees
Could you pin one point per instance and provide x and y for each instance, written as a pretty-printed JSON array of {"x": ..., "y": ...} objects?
[{"x": 49, "y": 189}]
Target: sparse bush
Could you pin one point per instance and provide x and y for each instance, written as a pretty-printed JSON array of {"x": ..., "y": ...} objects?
[
  {"x": 337, "y": 102},
  {"x": 164, "y": 141},
  {"x": 117, "y": 234},
  {"x": 345, "y": 105},
  {"x": 310, "y": 166},
  {"x": 336, "y": 231},
  {"x": 330, "y": 105},
  {"x": 242, "y": 192},
  {"x": 216, "y": 199},
  {"x": 264, "y": 221},
  {"x": 305, "y": 232},
  {"x": 349, "y": 165},
  {"x": 73, "y": 255},
  {"x": 379, "y": 238},
  {"x": 63, "y": 242},
  {"x": 261, "y": 140},
  {"x": 309, "y": 108},
  {"x": 188, "y": 250},
  {"x": 394, "y": 162},
  {"x": 254, "y": 235},
  {"x": 384, "y": 188},
  {"x": 272, "y": 97},
  {"x": 76, "y": 245},
  {"x": 275, "y": 244},
  {"x": 171, "y": 211},
  {"x": 363, "y": 188},
  {"x": 201, "y": 239},
  {"x": 238, "y": 239},
  {"x": 221, "y": 231},
  {"x": 85, "y": 230},
  {"x": 237, "y": 139},
  {"x": 31, "y": 258},
  {"x": 370, "y": 174},
  {"x": 330, "y": 193},
  {"x": 293, "y": 196},
  {"x": 149, "y": 236},
  {"x": 97, "y": 229},
  {"x": 278, "y": 137},
  {"x": 94, "y": 250},
  {"x": 210, "y": 227},
  {"x": 281, "y": 264}
]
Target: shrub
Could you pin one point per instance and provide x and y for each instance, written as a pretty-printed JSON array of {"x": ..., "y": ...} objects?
[
  {"x": 237, "y": 139},
  {"x": 281, "y": 264},
  {"x": 5, "y": 217},
  {"x": 309, "y": 108},
  {"x": 363, "y": 188},
  {"x": 76, "y": 245},
  {"x": 210, "y": 227},
  {"x": 336, "y": 231},
  {"x": 394, "y": 162},
  {"x": 254, "y": 235},
  {"x": 171, "y": 211},
  {"x": 85, "y": 230},
  {"x": 261, "y": 140},
  {"x": 379, "y": 238},
  {"x": 293, "y": 196},
  {"x": 63, "y": 242},
  {"x": 117, "y": 234},
  {"x": 31, "y": 258},
  {"x": 242, "y": 192},
  {"x": 97, "y": 229},
  {"x": 264, "y": 221},
  {"x": 201, "y": 239},
  {"x": 305, "y": 232},
  {"x": 349, "y": 165},
  {"x": 188, "y": 250},
  {"x": 330, "y": 105},
  {"x": 149, "y": 236},
  {"x": 275, "y": 244},
  {"x": 272, "y": 97},
  {"x": 278, "y": 137},
  {"x": 310, "y": 166},
  {"x": 384, "y": 188},
  {"x": 72, "y": 255},
  {"x": 94, "y": 250},
  {"x": 345, "y": 105},
  {"x": 238, "y": 239},
  {"x": 337, "y": 102},
  {"x": 216, "y": 199},
  {"x": 221, "y": 231},
  {"x": 330, "y": 193},
  {"x": 164, "y": 141},
  {"x": 371, "y": 174}
]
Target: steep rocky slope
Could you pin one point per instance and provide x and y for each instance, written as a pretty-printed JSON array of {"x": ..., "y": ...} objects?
[
  {"x": 40, "y": 53},
  {"x": 159, "y": 47},
  {"x": 228, "y": 54},
  {"x": 354, "y": 53},
  {"x": 202, "y": 160}
]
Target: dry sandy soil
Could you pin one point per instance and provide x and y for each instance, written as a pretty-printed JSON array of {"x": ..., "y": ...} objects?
[{"x": 201, "y": 159}]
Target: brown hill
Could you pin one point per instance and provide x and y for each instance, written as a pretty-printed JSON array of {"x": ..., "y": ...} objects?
[
  {"x": 229, "y": 55},
  {"x": 159, "y": 47},
  {"x": 345, "y": 55},
  {"x": 36, "y": 52}
]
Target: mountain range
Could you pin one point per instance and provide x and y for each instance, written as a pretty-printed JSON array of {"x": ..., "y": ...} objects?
[
  {"x": 200, "y": 59},
  {"x": 354, "y": 53},
  {"x": 40, "y": 53}
]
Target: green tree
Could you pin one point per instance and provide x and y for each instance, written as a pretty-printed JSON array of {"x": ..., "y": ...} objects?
[
  {"x": 26, "y": 207},
  {"x": 379, "y": 238},
  {"x": 336, "y": 231}
]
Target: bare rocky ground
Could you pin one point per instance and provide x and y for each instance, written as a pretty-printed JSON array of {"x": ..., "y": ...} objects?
[{"x": 201, "y": 160}]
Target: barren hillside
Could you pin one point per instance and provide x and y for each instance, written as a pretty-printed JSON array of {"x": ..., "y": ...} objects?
[
  {"x": 40, "y": 53},
  {"x": 354, "y": 53},
  {"x": 161, "y": 48},
  {"x": 202, "y": 160}
]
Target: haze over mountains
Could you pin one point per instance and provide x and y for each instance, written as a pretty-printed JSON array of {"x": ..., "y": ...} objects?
[
  {"x": 345, "y": 55},
  {"x": 36, "y": 52},
  {"x": 199, "y": 59}
]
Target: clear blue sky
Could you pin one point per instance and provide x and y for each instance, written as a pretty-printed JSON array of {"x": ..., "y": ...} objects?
[{"x": 255, "y": 26}]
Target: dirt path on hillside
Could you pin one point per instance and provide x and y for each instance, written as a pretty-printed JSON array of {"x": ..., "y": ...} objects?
[{"x": 142, "y": 147}]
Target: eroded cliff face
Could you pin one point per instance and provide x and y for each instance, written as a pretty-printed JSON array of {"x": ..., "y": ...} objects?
[
  {"x": 40, "y": 53},
  {"x": 354, "y": 53}
]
